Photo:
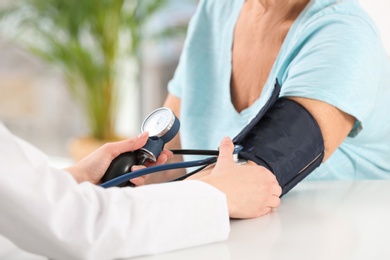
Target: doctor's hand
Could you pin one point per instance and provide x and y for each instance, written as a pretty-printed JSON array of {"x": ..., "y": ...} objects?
[
  {"x": 141, "y": 180},
  {"x": 93, "y": 166},
  {"x": 251, "y": 190}
]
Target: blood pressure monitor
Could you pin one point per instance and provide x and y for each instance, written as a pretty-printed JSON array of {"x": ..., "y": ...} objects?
[{"x": 162, "y": 125}]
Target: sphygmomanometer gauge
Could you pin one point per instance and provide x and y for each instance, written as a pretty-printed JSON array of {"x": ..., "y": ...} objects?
[{"x": 161, "y": 123}]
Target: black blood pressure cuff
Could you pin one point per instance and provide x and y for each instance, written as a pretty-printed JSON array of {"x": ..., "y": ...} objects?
[{"x": 285, "y": 138}]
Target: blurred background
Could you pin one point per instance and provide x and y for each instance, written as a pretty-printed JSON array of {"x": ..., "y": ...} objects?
[
  {"x": 43, "y": 93},
  {"x": 37, "y": 102}
]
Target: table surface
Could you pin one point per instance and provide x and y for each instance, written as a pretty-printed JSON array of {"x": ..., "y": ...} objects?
[
  {"x": 329, "y": 220},
  {"x": 317, "y": 220}
]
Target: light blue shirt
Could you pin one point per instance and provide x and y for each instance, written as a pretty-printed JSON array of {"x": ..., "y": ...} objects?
[{"x": 333, "y": 53}]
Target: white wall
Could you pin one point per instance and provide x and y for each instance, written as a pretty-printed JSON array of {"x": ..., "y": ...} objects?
[{"x": 379, "y": 10}]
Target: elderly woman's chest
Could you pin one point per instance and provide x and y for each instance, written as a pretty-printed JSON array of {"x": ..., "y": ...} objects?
[{"x": 257, "y": 41}]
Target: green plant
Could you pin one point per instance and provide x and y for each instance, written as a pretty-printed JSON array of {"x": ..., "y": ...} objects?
[{"x": 85, "y": 38}]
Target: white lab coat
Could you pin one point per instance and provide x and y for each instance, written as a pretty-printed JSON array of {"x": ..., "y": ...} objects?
[{"x": 43, "y": 210}]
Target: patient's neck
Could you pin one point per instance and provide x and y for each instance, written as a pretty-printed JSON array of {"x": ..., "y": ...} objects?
[{"x": 279, "y": 6}]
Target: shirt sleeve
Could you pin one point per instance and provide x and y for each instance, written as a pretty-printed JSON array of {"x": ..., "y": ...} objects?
[
  {"x": 337, "y": 60},
  {"x": 196, "y": 51},
  {"x": 46, "y": 212}
]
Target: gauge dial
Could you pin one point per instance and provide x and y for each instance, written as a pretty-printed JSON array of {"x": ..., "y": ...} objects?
[{"x": 159, "y": 122}]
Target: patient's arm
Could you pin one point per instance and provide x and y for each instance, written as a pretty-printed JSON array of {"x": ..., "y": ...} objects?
[
  {"x": 335, "y": 125},
  {"x": 326, "y": 127}
]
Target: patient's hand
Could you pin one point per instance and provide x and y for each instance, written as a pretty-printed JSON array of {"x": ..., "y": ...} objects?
[{"x": 251, "y": 190}]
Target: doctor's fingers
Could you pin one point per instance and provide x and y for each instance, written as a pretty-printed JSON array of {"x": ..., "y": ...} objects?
[
  {"x": 128, "y": 145},
  {"x": 139, "y": 181},
  {"x": 162, "y": 158},
  {"x": 168, "y": 153}
]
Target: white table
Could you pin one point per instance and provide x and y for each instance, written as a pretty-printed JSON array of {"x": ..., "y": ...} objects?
[{"x": 332, "y": 220}]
